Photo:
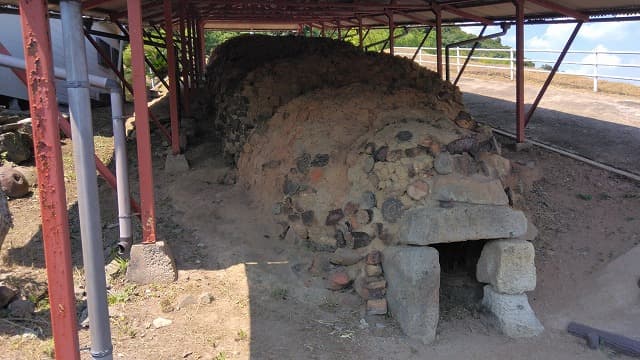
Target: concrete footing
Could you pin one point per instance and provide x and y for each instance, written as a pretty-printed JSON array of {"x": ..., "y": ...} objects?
[
  {"x": 151, "y": 264},
  {"x": 175, "y": 164}
]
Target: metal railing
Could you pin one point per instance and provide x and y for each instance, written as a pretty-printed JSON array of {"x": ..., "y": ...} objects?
[{"x": 427, "y": 56}]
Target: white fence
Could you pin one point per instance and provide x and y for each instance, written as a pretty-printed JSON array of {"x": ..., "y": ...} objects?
[{"x": 592, "y": 68}]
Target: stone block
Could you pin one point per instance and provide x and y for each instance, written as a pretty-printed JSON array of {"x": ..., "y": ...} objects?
[
  {"x": 376, "y": 307},
  {"x": 413, "y": 289},
  {"x": 175, "y": 164},
  {"x": 508, "y": 265},
  {"x": 426, "y": 225},
  {"x": 470, "y": 190},
  {"x": 511, "y": 314},
  {"x": 151, "y": 264}
]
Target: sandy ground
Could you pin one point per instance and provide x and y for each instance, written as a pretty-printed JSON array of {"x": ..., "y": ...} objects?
[
  {"x": 269, "y": 296},
  {"x": 602, "y": 127}
]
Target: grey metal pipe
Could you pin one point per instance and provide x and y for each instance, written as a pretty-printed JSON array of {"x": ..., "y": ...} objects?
[
  {"x": 122, "y": 178},
  {"x": 94, "y": 80},
  {"x": 124, "y": 205},
  {"x": 87, "y": 182}
]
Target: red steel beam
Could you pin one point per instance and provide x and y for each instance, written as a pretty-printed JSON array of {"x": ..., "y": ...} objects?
[
  {"x": 143, "y": 136},
  {"x": 555, "y": 68},
  {"x": 173, "y": 83},
  {"x": 183, "y": 60},
  {"x": 90, "y": 4},
  {"x": 48, "y": 157},
  {"x": 466, "y": 15},
  {"x": 561, "y": 9},
  {"x": 438, "y": 14},
  {"x": 392, "y": 29},
  {"x": 114, "y": 68},
  {"x": 520, "y": 120},
  {"x": 203, "y": 50}
]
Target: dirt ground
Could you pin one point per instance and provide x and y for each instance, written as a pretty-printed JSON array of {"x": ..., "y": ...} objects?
[{"x": 270, "y": 303}]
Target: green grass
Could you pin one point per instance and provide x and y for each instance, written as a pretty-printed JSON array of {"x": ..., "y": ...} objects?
[{"x": 122, "y": 296}]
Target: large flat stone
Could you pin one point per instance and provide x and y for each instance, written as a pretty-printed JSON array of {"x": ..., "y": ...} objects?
[
  {"x": 511, "y": 314},
  {"x": 427, "y": 225},
  {"x": 176, "y": 164},
  {"x": 151, "y": 264},
  {"x": 413, "y": 289},
  {"x": 472, "y": 190},
  {"x": 508, "y": 265}
]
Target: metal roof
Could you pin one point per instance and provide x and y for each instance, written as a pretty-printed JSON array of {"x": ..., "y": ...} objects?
[{"x": 286, "y": 14}]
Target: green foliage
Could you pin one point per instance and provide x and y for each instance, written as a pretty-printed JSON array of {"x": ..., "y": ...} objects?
[
  {"x": 215, "y": 38},
  {"x": 122, "y": 296}
]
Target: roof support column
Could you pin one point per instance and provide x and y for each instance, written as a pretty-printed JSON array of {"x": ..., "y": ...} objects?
[
  {"x": 189, "y": 37},
  {"x": 143, "y": 136},
  {"x": 203, "y": 50},
  {"x": 184, "y": 61},
  {"x": 520, "y": 119},
  {"x": 173, "y": 78},
  {"x": 438, "y": 13},
  {"x": 48, "y": 157},
  {"x": 339, "y": 30},
  {"x": 392, "y": 28},
  {"x": 360, "y": 39},
  {"x": 322, "y": 29}
]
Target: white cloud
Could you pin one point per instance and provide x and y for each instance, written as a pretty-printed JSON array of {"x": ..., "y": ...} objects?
[
  {"x": 605, "y": 31},
  {"x": 601, "y": 58},
  {"x": 554, "y": 37}
]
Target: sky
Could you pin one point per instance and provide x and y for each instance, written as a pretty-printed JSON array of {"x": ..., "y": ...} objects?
[{"x": 603, "y": 37}]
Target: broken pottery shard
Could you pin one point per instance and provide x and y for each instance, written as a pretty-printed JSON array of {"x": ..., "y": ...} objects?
[
  {"x": 443, "y": 163},
  {"x": 426, "y": 225},
  {"x": 360, "y": 239},
  {"x": 334, "y": 216},
  {"x": 381, "y": 154},
  {"x": 392, "y": 209},
  {"x": 320, "y": 160},
  {"x": 368, "y": 200},
  {"x": 290, "y": 187},
  {"x": 404, "y": 135}
]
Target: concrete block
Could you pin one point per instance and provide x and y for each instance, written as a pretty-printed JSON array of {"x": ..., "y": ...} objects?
[
  {"x": 508, "y": 265},
  {"x": 471, "y": 190},
  {"x": 511, "y": 314},
  {"x": 175, "y": 164},
  {"x": 151, "y": 264},
  {"x": 427, "y": 225},
  {"x": 413, "y": 289}
]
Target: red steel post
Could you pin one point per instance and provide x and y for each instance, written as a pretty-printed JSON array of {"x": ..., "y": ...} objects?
[
  {"x": 184, "y": 61},
  {"x": 203, "y": 50},
  {"x": 190, "y": 52},
  {"x": 360, "y": 39},
  {"x": 339, "y": 30},
  {"x": 392, "y": 30},
  {"x": 520, "y": 119},
  {"x": 173, "y": 81},
  {"x": 48, "y": 156},
  {"x": 438, "y": 14},
  {"x": 143, "y": 136}
]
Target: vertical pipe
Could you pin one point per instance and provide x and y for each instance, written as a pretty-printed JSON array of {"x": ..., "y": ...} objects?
[
  {"x": 87, "y": 181},
  {"x": 48, "y": 158},
  {"x": 173, "y": 81},
  {"x": 520, "y": 125},
  {"x": 143, "y": 137},
  {"x": 438, "y": 14},
  {"x": 122, "y": 176}
]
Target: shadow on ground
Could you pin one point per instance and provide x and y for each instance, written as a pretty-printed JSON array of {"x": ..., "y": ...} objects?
[{"x": 613, "y": 144}]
